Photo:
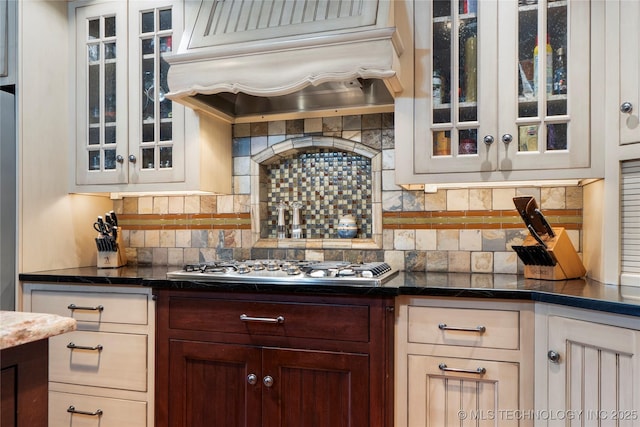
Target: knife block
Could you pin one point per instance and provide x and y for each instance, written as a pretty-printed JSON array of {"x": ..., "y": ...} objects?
[
  {"x": 568, "y": 264},
  {"x": 113, "y": 259}
]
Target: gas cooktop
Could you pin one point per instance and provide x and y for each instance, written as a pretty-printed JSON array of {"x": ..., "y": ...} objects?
[{"x": 287, "y": 272}]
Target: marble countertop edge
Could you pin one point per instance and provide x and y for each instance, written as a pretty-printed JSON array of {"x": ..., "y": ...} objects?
[{"x": 17, "y": 328}]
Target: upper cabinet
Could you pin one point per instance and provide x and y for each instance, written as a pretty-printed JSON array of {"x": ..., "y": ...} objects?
[
  {"x": 8, "y": 41},
  {"x": 128, "y": 135},
  {"x": 501, "y": 90},
  {"x": 629, "y": 72}
]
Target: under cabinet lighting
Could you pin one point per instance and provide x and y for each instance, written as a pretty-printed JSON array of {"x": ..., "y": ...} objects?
[{"x": 433, "y": 188}]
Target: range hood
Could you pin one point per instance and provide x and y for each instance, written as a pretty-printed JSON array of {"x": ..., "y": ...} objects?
[{"x": 247, "y": 58}]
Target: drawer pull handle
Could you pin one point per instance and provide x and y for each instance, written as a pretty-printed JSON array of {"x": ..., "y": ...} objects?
[
  {"x": 73, "y": 410},
  {"x": 72, "y": 346},
  {"x": 479, "y": 329},
  {"x": 77, "y": 307},
  {"x": 479, "y": 371},
  {"x": 245, "y": 318}
]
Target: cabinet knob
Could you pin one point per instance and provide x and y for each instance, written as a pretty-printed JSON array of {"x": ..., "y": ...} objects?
[
  {"x": 268, "y": 381},
  {"x": 626, "y": 107},
  {"x": 553, "y": 356},
  {"x": 132, "y": 158},
  {"x": 507, "y": 138},
  {"x": 119, "y": 158},
  {"x": 488, "y": 139},
  {"x": 252, "y": 379}
]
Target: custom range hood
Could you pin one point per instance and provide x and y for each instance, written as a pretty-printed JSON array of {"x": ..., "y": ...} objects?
[{"x": 247, "y": 58}]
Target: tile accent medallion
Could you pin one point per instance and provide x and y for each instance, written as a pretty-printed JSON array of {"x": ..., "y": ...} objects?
[
  {"x": 329, "y": 184},
  {"x": 458, "y": 230}
]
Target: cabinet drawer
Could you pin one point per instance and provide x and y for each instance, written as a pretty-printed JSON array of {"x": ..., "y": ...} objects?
[
  {"x": 120, "y": 362},
  {"x": 115, "y": 412},
  {"x": 303, "y": 320},
  {"x": 464, "y": 327},
  {"x": 92, "y": 307}
]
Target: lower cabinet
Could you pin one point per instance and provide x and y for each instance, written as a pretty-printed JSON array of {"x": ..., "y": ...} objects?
[
  {"x": 592, "y": 362},
  {"x": 268, "y": 360},
  {"x": 102, "y": 373},
  {"x": 463, "y": 362}
]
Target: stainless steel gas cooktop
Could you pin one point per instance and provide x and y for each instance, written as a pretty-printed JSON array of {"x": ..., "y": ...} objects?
[{"x": 287, "y": 272}]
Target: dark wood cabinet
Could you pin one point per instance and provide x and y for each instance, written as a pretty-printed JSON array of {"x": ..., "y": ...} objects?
[
  {"x": 23, "y": 385},
  {"x": 249, "y": 360}
]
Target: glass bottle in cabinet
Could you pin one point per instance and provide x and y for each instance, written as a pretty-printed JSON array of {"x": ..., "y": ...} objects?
[
  {"x": 454, "y": 81},
  {"x": 542, "y": 70}
]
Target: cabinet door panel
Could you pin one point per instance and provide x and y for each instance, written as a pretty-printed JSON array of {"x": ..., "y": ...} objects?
[
  {"x": 629, "y": 71},
  {"x": 595, "y": 371},
  {"x": 208, "y": 385},
  {"x": 447, "y": 398},
  {"x": 313, "y": 388}
]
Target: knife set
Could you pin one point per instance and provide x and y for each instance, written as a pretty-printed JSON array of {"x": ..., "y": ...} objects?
[
  {"x": 109, "y": 243},
  {"x": 547, "y": 252}
]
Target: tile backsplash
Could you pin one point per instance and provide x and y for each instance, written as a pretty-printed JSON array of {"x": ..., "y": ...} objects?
[{"x": 460, "y": 230}]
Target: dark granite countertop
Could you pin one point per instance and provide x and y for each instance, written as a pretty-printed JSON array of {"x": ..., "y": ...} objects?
[{"x": 581, "y": 293}]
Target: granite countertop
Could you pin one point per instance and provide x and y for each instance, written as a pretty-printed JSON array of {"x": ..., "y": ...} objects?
[
  {"x": 18, "y": 327},
  {"x": 581, "y": 293}
]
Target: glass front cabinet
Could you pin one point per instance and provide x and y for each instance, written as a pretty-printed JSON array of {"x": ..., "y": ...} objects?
[
  {"x": 127, "y": 132},
  {"x": 501, "y": 90}
]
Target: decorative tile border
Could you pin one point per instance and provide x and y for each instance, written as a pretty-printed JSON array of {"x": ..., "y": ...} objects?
[
  {"x": 222, "y": 221},
  {"x": 570, "y": 219}
]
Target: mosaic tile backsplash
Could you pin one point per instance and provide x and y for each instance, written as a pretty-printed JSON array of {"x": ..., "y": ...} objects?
[
  {"x": 329, "y": 184},
  {"x": 455, "y": 230}
]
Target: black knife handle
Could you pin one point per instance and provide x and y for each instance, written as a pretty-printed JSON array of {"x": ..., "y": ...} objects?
[
  {"x": 546, "y": 224},
  {"x": 535, "y": 235}
]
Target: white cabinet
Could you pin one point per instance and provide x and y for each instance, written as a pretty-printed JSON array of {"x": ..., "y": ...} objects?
[
  {"x": 102, "y": 373},
  {"x": 487, "y": 101},
  {"x": 593, "y": 368},
  {"x": 629, "y": 36},
  {"x": 129, "y": 136},
  {"x": 8, "y": 41},
  {"x": 462, "y": 362}
]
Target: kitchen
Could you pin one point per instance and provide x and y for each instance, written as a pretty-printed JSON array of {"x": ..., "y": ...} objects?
[{"x": 160, "y": 229}]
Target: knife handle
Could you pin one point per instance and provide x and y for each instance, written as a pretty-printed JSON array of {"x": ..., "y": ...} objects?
[
  {"x": 535, "y": 235},
  {"x": 546, "y": 224}
]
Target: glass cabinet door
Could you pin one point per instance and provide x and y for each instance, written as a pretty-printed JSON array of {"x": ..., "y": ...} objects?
[
  {"x": 538, "y": 125},
  {"x": 458, "y": 88},
  {"x": 156, "y": 138},
  {"x": 101, "y": 95}
]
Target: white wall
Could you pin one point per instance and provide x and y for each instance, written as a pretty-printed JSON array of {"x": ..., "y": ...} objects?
[{"x": 55, "y": 228}]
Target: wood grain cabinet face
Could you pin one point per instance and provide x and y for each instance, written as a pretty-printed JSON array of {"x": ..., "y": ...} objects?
[{"x": 324, "y": 364}]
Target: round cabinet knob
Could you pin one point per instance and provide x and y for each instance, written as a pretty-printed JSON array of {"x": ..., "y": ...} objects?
[
  {"x": 267, "y": 381},
  {"x": 507, "y": 138},
  {"x": 132, "y": 158},
  {"x": 119, "y": 158},
  {"x": 553, "y": 356},
  {"x": 626, "y": 107},
  {"x": 488, "y": 139},
  {"x": 252, "y": 379}
]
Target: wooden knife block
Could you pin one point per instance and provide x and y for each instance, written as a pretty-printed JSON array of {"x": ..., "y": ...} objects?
[
  {"x": 109, "y": 259},
  {"x": 568, "y": 263}
]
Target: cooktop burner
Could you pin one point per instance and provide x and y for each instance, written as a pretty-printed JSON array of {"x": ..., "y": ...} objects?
[{"x": 272, "y": 271}]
